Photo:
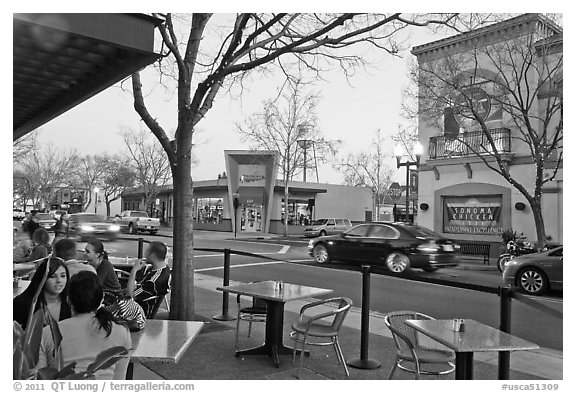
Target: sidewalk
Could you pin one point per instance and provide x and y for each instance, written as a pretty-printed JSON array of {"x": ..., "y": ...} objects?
[{"x": 211, "y": 356}]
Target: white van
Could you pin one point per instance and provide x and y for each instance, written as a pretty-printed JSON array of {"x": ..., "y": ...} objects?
[{"x": 327, "y": 226}]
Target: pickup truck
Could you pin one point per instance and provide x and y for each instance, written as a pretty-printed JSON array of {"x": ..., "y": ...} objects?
[{"x": 134, "y": 221}]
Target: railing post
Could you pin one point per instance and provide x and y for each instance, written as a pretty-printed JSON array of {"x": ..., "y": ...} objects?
[
  {"x": 226, "y": 281},
  {"x": 505, "y": 294},
  {"x": 140, "y": 248},
  {"x": 365, "y": 363}
]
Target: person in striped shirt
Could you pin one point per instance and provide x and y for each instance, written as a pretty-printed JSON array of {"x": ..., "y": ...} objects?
[{"x": 156, "y": 280}]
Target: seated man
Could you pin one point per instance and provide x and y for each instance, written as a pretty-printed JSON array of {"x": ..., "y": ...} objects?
[
  {"x": 156, "y": 282},
  {"x": 66, "y": 249}
]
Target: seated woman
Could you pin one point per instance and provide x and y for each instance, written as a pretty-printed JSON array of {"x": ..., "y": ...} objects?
[
  {"x": 89, "y": 331},
  {"x": 42, "y": 247},
  {"x": 52, "y": 297},
  {"x": 98, "y": 258}
]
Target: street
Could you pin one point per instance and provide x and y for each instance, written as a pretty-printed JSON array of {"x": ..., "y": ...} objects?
[{"x": 387, "y": 293}]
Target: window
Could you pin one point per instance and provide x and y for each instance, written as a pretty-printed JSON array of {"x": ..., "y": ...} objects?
[
  {"x": 339, "y": 221},
  {"x": 383, "y": 232},
  {"x": 359, "y": 231},
  {"x": 330, "y": 222}
]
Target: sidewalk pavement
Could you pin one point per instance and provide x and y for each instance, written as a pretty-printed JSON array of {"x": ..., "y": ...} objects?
[{"x": 211, "y": 356}]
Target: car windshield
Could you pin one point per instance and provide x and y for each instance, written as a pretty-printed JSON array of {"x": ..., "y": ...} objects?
[
  {"x": 138, "y": 214},
  {"x": 44, "y": 216},
  {"x": 322, "y": 221},
  {"x": 91, "y": 218},
  {"x": 419, "y": 231}
]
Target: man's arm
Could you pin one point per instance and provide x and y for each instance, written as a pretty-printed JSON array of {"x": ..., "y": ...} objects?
[{"x": 131, "y": 285}]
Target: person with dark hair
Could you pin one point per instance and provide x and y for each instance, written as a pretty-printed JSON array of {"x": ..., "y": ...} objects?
[
  {"x": 66, "y": 249},
  {"x": 32, "y": 223},
  {"x": 61, "y": 227},
  {"x": 52, "y": 297},
  {"x": 98, "y": 259},
  {"x": 156, "y": 281},
  {"x": 91, "y": 330},
  {"x": 42, "y": 247}
]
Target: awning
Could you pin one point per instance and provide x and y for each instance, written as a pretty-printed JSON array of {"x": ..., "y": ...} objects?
[{"x": 61, "y": 60}]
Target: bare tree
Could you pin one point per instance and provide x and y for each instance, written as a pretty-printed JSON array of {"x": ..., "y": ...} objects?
[
  {"x": 252, "y": 42},
  {"x": 43, "y": 173},
  {"x": 286, "y": 119},
  {"x": 117, "y": 176},
  {"x": 518, "y": 80},
  {"x": 149, "y": 163},
  {"x": 85, "y": 176},
  {"x": 369, "y": 169},
  {"x": 24, "y": 146}
]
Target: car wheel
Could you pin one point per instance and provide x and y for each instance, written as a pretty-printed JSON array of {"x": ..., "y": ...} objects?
[
  {"x": 429, "y": 269},
  {"x": 322, "y": 233},
  {"x": 132, "y": 229},
  {"x": 532, "y": 281},
  {"x": 503, "y": 261},
  {"x": 320, "y": 254},
  {"x": 397, "y": 262}
]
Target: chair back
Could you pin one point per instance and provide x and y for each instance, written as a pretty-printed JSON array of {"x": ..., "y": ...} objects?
[
  {"x": 402, "y": 332},
  {"x": 344, "y": 305},
  {"x": 151, "y": 314}
]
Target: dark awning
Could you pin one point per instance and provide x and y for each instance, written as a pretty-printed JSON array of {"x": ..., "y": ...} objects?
[{"x": 61, "y": 60}]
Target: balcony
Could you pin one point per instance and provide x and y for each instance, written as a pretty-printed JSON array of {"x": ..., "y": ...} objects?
[{"x": 468, "y": 144}]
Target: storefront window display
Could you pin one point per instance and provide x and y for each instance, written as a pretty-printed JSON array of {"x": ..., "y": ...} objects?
[
  {"x": 298, "y": 212},
  {"x": 208, "y": 210}
]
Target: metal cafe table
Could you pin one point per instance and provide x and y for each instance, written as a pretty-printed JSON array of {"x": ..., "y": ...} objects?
[
  {"x": 476, "y": 337},
  {"x": 163, "y": 341},
  {"x": 275, "y": 299}
]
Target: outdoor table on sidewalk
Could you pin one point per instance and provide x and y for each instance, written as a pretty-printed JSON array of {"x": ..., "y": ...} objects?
[
  {"x": 476, "y": 337},
  {"x": 275, "y": 299},
  {"x": 163, "y": 341}
]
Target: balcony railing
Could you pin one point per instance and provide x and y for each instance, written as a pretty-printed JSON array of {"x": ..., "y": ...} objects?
[{"x": 469, "y": 144}]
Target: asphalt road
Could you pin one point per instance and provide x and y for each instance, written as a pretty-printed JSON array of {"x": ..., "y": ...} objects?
[{"x": 387, "y": 293}]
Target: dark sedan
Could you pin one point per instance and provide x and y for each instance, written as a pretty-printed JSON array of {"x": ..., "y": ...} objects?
[
  {"x": 85, "y": 225},
  {"x": 398, "y": 246},
  {"x": 536, "y": 273}
]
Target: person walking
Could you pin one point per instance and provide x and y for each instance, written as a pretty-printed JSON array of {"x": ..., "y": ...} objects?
[{"x": 61, "y": 228}]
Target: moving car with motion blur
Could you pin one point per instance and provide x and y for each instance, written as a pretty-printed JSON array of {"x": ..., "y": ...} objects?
[
  {"x": 86, "y": 225},
  {"x": 18, "y": 214},
  {"x": 45, "y": 220},
  {"x": 536, "y": 274},
  {"x": 398, "y": 246}
]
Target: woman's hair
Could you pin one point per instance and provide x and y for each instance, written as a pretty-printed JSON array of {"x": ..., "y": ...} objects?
[
  {"x": 98, "y": 247},
  {"x": 40, "y": 236},
  {"x": 86, "y": 294},
  {"x": 55, "y": 263}
]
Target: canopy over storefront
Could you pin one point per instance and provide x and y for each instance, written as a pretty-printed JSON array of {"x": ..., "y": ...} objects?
[{"x": 61, "y": 60}]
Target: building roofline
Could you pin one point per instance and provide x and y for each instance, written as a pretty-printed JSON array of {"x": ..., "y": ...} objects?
[{"x": 469, "y": 35}]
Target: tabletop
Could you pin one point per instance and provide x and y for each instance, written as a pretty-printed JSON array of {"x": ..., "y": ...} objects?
[
  {"x": 268, "y": 290},
  {"x": 476, "y": 336},
  {"x": 163, "y": 340},
  {"x": 17, "y": 290}
]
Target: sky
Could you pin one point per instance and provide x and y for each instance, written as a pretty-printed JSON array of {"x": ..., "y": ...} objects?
[{"x": 350, "y": 110}]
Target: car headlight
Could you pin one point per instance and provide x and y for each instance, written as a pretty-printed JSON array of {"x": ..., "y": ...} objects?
[
  {"x": 114, "y": 228},
  {"x": 87, "y": 228}
]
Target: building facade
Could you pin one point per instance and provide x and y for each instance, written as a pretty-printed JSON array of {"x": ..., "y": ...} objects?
[{"x": 471, "y": 131}]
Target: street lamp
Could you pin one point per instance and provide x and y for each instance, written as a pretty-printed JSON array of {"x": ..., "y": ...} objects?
[
  {"x": 399, "y": 152},
  {"x": 96, "y": 189}
]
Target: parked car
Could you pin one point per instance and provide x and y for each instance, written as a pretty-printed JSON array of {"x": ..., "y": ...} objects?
[
  {"x": 57, "y": 213},
  {"x": 327, "y": 226},
  {"x": 398, "y": 246},
  {"x": 45, "y": 220},
  {"x": 135, "y": 220},
  {"x": 85, "y": 225},
  {"x": 536, "y": 273},
  {"x": 18, "y": 214}
]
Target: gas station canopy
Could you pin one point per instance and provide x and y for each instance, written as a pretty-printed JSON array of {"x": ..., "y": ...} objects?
[{"x": 61, "y": 60}]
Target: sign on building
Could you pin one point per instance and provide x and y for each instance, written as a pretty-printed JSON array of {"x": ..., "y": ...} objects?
[{"x": 473, "y": 215}]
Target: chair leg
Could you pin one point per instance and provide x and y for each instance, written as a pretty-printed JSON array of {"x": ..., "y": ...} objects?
[
  {"x": 339, "y": 350},
  {"x": 302, "y": 355},
  {"x": 393, "y": 369},
  {"x": 249, "y": 326},
  {"x": 296, "y": 338},
  {"x": 336, "y": 350},
  {"x": 237, "y": 332},
  {"x": 416, "y": 370},
  {"x": 167, "y": 301}
]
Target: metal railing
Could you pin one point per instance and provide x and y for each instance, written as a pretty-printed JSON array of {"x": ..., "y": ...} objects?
[{"x": 469, "y": 144}]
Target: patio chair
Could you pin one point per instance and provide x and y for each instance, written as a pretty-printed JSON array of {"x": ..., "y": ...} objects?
[
  {"x": 151, "y": 312},
  {"x": 254, "y": 313},
  {"x": 409, "y": 349},
  {"x": 320, "y": 330}
]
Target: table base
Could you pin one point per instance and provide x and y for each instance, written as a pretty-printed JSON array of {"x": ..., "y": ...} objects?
[{"x": 464, "y": 365}]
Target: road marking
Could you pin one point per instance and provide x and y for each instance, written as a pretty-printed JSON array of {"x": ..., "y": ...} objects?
[
  {"x": 284, "y": 250},
  {"x": 207, "y": 269}
]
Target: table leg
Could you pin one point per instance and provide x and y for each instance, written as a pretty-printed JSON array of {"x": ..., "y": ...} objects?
[
  {"x": 464, "y": 365},
  {"x": 130, "y": 371}
]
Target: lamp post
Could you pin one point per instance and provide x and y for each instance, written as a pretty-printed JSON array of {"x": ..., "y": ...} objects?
[
  {"x": 96, "y": 189},
  {"x": 399, "y": 152},
  {"x": 303, "y": 144}
]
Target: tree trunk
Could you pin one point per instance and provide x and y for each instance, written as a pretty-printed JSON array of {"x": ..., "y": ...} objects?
[
  {"x": 182, "y": 299},
  {"x": 538, "y": 221},
  {"x": 286, "y": 192}
]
